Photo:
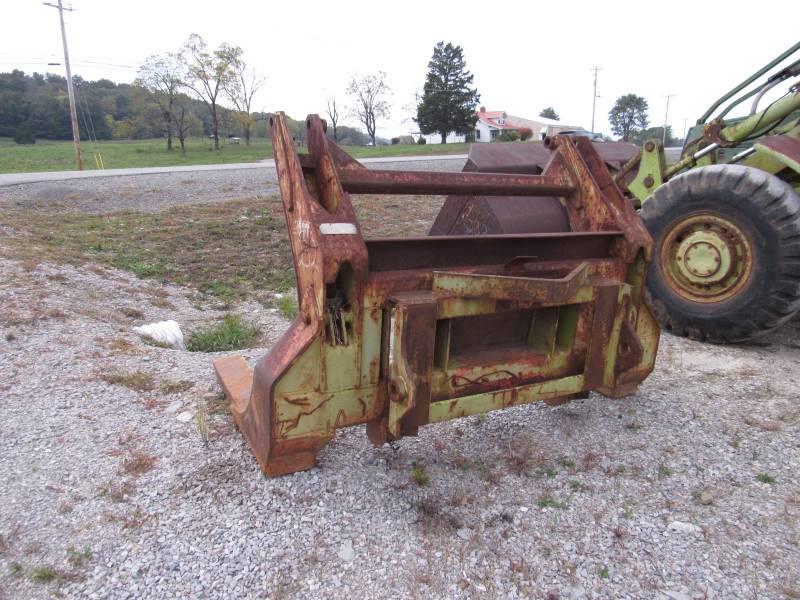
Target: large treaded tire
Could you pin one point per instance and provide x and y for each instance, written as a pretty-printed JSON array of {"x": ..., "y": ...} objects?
[{"x": 767, "y": 210}]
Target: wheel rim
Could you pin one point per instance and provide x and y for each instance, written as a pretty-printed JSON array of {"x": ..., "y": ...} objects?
[{"x": 706, "y": 258}]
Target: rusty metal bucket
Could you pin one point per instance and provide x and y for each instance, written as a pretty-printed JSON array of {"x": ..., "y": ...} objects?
[{"x": 398, "y": 333}]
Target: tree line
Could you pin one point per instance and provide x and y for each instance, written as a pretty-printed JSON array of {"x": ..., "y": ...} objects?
[{"x": 198, "y": 90}]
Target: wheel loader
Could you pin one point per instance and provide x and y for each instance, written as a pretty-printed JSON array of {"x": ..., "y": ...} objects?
[{"x": 725, "y": 218}]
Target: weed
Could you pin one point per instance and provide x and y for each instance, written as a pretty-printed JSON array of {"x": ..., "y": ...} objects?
[
  {"x": 549, "y": 472},
  {"x": 201, "y": 419},
  {"x": 216, "y": 403},
  {"x": 141, "y": 269},
  {"x": 482, "y": 418},
  {"x": 121, "y": 346},
  {"x": 736, "y": 440},
  {"x": 175, "y": 386},
  {"x": 521, "y": 456},
  {"x": 633, "y": 425},
  {"x": 590, "y": 461},
  {"x": 44, "y": 574},
  {"x": 132, "y": 313},
  {"x": 419, "y": 474},
  {"x": 77, "y": 558},
  {"x": 232, "y": 333},
  {"x": 222, "y": 291},
  {"x": 577, "y": 486},
  {"x": 155, "y": 343},
  {"x": 138, "y": 380},
  {"x": 603, "y": 573},
  {"x": 138, "y": 463},
  {"x": 665, "y": 471},
  {"x": 287, "y": 305},
  {"x": 765, "y": 478},
  {"x": 16, "y": 569},
  {"x": 117, "y": 491},
  {"x": 10, "y": 337},
  {"x": 547, "y": 501},
  {"x": 566, "y": 463},
  {"x": 162, "y": 303}
]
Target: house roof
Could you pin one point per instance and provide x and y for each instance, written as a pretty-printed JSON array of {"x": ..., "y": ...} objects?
[{"x": 490, "y": 117}]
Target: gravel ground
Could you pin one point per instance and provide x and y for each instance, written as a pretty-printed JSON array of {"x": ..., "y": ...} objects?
[
  {"x": 163, "y": 190},
  {"x": 689, "y": 489}
]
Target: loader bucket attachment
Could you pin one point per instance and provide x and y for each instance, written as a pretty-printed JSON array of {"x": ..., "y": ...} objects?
[{"x": 398, "y": 333}]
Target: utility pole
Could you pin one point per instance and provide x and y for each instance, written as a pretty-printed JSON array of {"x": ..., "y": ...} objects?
[
  {"x": 666, "y": 116},
  {"x": 76, "y": 135},
  {"x": 594, "y": 94}
]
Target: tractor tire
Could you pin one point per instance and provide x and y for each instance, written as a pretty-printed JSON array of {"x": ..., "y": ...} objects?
[{"x": 726, "y": 253}]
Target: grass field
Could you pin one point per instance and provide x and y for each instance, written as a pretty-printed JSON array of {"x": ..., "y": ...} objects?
[
  {"x": 59, "y": 156},
  {"x": 230, "y": 250}
]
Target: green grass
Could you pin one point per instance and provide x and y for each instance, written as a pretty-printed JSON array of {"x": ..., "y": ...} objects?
[
  {"x": 765, "y": 478},
  {"x": 47, "y": 155},
  {"x": 44, "y": 574},
  {"x": 547, "y": 501},
  {"x": 228, "y": 250},
  {"x": 232, "y": 333},
  {"x": 419, "y": 474},
  {"x": 287, "y": 305}
]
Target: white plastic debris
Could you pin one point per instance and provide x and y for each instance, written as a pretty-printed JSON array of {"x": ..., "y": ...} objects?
[
  {"x": 163, "y": 332},
  {"x": 680, "y": 527}
]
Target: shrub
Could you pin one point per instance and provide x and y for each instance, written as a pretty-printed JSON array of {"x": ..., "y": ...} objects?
[
  {"x": 509, "y": 135},
  {"x": 395, "y": 141},
  {"x": 422, "y": 141},
  {"x": 525, "y": 133},
  {"x": 24, "y": 134}
]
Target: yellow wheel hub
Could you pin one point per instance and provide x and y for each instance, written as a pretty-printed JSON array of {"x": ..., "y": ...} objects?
[{"x": 706, "y": 258}]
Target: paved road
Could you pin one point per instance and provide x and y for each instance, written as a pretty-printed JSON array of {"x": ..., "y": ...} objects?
[
  {"x": 156, "y": 189},
  {"x": 20, "y": 178}
]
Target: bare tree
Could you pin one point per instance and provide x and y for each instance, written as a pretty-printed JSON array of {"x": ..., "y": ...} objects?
[
  {"x": 162, "y": 76},
  {"x": 185, "y": 120},
  {"x": 333, "y": 117},
  {"x": 209, "y": 73},
  {"x": 240, "y": 90},
  {"x": 369, "y": 96}
]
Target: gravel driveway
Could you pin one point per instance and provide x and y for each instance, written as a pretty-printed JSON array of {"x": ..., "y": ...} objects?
[{"x": 689, "y": 489}]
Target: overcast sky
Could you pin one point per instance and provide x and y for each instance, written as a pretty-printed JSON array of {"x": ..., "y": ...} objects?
[{"x": 524, "y": 55}]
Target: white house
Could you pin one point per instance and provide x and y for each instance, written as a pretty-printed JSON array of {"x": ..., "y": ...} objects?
[{"x": 492, "y": 123}]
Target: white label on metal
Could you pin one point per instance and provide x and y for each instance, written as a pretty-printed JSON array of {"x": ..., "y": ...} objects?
[{"x": 337, "y": 229}]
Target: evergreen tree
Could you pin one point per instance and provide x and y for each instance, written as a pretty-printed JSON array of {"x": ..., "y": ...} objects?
[
  {"x": 448, "y": 102},
  {"x": 549, "y": 113}
]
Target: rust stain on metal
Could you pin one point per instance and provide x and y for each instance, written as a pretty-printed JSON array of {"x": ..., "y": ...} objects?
[{"x": 538, "y": 297}]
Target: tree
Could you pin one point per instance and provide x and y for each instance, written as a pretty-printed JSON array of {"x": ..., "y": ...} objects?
[
  {"x": 448, "y": 102},
  {"x": 549, "y": 113},
  {"x": 240, "y": 90},
  {"x": 333, "y": 117},
  {"x": 208, "y": 74},
  {"x": 163, "y": 76},
  {"x": 369, "y": 100},
  {"x": 185, "y": 120},
  {"x": 628, "y": 116}
]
